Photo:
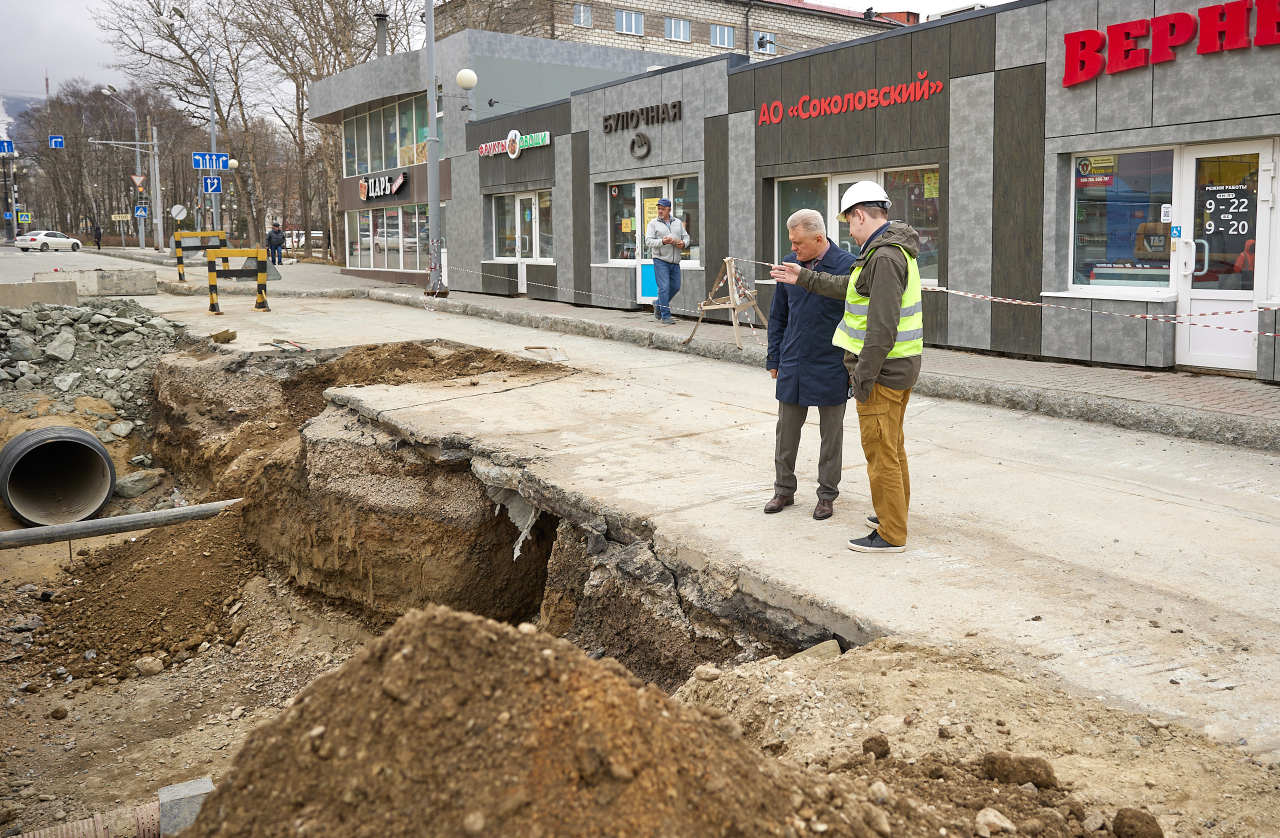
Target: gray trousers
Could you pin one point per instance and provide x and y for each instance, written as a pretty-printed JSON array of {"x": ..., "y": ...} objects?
[{"x": 831, "y": 425}]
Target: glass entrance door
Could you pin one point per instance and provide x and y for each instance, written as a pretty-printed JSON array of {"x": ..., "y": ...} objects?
[
  {"x": 646, "y": 285},
  {"x": 526, "y": 235},
  {"x": 1223, "y": 241}
]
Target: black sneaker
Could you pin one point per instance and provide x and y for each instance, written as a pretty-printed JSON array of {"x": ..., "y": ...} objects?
[
  {"x": 873, "y": 522},
  {"x": 873, "y": 543}
]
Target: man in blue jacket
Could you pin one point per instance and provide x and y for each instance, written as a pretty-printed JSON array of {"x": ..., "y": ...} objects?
[{"x": 809, "y": 370}]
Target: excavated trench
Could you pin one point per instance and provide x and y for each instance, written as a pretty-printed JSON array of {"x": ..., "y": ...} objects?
[{"x": 356, "y": 513}]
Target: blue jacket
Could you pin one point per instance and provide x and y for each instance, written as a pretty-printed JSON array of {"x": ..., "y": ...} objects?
[{"x": 810, "y": 368}]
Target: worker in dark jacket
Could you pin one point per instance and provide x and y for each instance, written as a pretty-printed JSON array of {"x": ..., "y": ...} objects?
[
  {"x": 882, "y": 334},
  {"x": 809, "y": 369},
  {"x": 275, "y": 245}
]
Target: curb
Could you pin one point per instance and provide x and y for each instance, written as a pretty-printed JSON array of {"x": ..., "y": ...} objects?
[{"x": 1187, "y": 423}]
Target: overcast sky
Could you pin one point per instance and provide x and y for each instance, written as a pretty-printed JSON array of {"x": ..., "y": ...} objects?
[{"x": 59, "y": 37}]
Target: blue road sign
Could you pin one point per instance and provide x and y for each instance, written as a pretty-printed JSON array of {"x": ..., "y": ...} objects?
[
  {"x": 24, "y": 218},
  {"x": 140, "y": 211},
  {"x": 7, "y": 215},
  {"x": 56, "y": 141},
  {"x": 6, "y": 146},
  {"x": 212, "y": 185},
  {"x": 209, "y": 160}
]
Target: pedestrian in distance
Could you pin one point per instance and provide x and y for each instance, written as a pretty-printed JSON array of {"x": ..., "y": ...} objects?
[
  {"x": 97, "y": 236},
  {"x": 275, "y": 244},
  {"x": 665, "y": 237},
  {"x": 882, "y": 335},
  {"x": 808, "y": 367}
]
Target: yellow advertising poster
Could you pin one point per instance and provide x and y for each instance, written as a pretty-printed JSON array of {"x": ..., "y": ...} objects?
[
  {"x": 931, "y": 184},
  {"x": 626, "y": 225},
  {"x": 650, "y": 210}
]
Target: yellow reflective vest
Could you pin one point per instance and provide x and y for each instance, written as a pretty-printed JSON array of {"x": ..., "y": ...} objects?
[{"x": 851, "y": 334}]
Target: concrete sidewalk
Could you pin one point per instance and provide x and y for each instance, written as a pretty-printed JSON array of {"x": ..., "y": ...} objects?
[{"x": 1235, "y": 411}]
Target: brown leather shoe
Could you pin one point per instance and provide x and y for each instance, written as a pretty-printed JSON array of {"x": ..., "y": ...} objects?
[
  {"x": 822, "y": 511},
  {"x": 777, "y": 503}
]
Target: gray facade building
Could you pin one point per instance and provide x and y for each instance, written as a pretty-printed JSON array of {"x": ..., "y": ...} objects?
[{"x": 1110, "y": 163}]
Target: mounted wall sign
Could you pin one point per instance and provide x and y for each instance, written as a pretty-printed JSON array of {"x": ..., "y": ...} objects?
[
  {"x": 514, "y": 144},
  {"x": 811, "y": 107},
  {"x": 382, "y": 185},
  {"x": 634, "y": 118},
  {"x": 640, "y": 146},
  {"x": 1221, "y": 27}
]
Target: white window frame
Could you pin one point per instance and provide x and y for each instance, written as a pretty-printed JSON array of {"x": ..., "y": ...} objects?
[
  {"x": 770, "y": 48},
  {"x": 832, "y": 214},
  {"x": 1165, "y": 293},
  {"x": 677, "y": 29},
  {"x": 628, "y": 23},
  {"x": 582, "y": 15},
  {"x": 722, "y": 29},
  {"x": 534, "y": 228}
]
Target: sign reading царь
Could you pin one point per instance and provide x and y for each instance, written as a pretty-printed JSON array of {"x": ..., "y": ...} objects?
[{"x": 514, "y": 144}]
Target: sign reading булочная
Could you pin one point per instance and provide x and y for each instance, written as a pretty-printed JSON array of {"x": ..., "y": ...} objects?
[{"x": 636, "y": 117}]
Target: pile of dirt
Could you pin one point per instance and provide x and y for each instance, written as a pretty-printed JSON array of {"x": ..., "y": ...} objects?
[
  {"x": 940, "y": 714},
  {"x": 451, "y": 724},
  {"x": 162, "y": 596},
  {"x": 218, "y": 417}
]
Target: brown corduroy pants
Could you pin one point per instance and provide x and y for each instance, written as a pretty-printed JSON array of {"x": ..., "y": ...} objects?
[{"x": 880, "y": 423}]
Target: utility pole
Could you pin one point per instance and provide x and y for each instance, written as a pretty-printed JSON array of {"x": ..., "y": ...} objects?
[
  {"x": 213, "y": 137},
  {"x": 157, "y": 218},
  {"x": 433, "y": 151}
]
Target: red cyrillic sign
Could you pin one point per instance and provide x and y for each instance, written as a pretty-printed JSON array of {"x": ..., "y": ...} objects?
[
  {"x": 1137, "y": 43},
  {"x": 809, "y": 107}
]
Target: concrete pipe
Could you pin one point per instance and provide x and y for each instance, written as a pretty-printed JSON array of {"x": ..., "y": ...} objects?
[{"x": 55, "y": 476}]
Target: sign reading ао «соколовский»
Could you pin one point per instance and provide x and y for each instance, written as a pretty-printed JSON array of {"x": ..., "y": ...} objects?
[
  {"x": 810, "y": 107},
  {"x": 514, "y": 144}
]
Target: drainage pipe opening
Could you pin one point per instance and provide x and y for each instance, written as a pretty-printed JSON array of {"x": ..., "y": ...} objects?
[{"x": 55, "y": 476}]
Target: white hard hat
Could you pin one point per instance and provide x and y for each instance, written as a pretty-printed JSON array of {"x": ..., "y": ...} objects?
[{"x": 864, "y": 192}]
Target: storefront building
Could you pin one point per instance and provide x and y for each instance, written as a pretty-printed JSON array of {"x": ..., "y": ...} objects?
[{"x": 1110, "y": 163}]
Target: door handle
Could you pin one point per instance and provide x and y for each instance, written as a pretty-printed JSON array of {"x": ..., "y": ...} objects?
[{"x": 1205, "y": 268}]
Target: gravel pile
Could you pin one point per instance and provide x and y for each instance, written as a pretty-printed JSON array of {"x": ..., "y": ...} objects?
[{"x": 105, "y": 349}]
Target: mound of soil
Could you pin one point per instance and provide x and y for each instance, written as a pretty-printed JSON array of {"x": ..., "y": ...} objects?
[
  {"x": 393, "y": 363},
  {"x": 160, "y": 595},
  {"x": 451, "y": 724}
]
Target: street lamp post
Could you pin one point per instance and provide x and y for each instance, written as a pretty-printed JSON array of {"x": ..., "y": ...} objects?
[{"x": 110, "y": 92}]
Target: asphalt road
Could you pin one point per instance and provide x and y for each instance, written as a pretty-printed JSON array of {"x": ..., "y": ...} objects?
[{"x": 16, "y": 266}]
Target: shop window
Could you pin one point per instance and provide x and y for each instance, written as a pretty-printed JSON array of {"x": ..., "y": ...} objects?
[
  {"x": 677, "y": 29},
  {"x": 421, "y": 241},
  {"x": 362, "y": 144},
  {"x": 546, "y": 244},
  {"x": 722, "y": 36},
  {"x": 628, "y": 23},
  {"x": 622, "y": 221},
  {"x": 353, "y": 239},
  {"x": 406, "y": 134},
  {"x": 915, "y": 194},
  {"x": 392, "y": 237},
  {"x": 1118, "y": 238},
  {"x": 366, "y": 239},
  {"x": 349, "y": 148},
  {"x": 390, "y": 138},
  {"x": 504, "y": 227},
  {"x": 764, "y": 43},
  {"x": 582, "y": 15},
  {"x": 378, "y": 238},
  {"x": 421, "y": 127},
  {"x": 685, "y": 206},
  {"x": 1225, "y": 227},
  {"x": 805, "y": 193}
]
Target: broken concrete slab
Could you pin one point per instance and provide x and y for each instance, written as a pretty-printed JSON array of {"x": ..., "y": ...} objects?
[
  {"x": 180, "y": 804},
  {"x": 100, "y": 282},
  {"x": 60, "y": 292}
]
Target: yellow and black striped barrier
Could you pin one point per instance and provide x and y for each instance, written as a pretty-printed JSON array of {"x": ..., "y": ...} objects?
[
  {"x": 259, "y": 255},
  {"x": 199, "y": 236}
]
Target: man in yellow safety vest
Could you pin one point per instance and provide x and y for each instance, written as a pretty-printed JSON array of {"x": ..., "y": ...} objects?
[{"x": 882, "y": 334}]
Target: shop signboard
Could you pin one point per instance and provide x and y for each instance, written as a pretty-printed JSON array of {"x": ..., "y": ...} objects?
[
  {"x": 514, "y": 143},
  {"x": 918, "y": 89},
  {"x": 1138, "y": 43},
  {"x": 1097, "y": 170},
  {"x": 382, "y": 186}
]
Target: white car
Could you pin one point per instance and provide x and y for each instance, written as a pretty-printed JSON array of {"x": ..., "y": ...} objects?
[{"x": 46, "y": 240}]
